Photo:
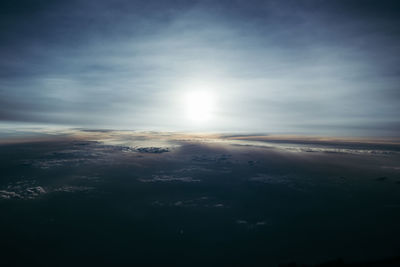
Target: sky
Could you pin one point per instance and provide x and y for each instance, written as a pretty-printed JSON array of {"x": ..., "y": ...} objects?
[{"x": 315, "y": 67}]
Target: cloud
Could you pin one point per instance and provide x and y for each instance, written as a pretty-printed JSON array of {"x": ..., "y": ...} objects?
[
  {"x": 309, "y": 67},
  {"x": 155, "y": 150},
  {"x": 201, "y": 202},
  {"x": 251, "y": 225},
  {"x": 168, "y": 178}
]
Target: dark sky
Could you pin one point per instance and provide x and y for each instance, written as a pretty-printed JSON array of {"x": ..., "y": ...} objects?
[{"x": 315, "y": 67}]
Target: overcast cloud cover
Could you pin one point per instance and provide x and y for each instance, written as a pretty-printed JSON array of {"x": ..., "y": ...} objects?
[{"x": 317, "y": 67}]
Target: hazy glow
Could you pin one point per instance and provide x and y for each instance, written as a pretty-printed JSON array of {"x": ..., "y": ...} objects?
[{"x": 199, "y": 106}]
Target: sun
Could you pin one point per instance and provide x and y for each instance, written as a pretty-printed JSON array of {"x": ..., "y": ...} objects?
[{"x": 199, "y": 106}]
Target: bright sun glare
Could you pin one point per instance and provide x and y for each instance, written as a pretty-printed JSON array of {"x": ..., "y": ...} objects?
[{"x": 199, "y": 106}]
